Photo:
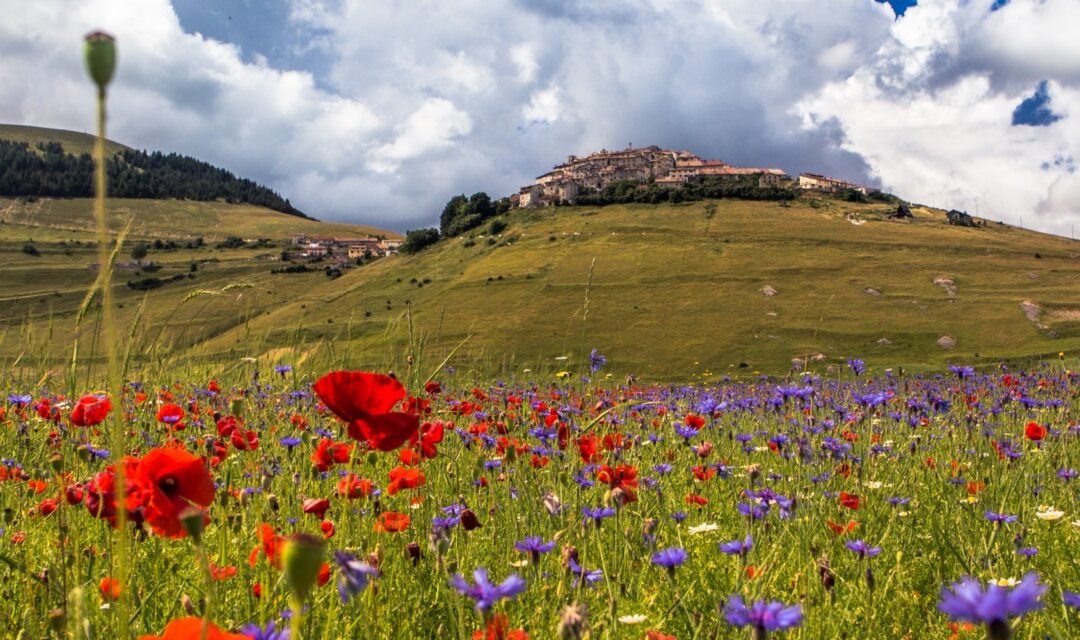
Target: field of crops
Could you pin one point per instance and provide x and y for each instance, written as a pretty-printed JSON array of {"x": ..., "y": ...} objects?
[{"x": 290, "y": 503}]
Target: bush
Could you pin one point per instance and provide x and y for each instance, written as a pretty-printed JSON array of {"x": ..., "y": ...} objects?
[
  {"x": 497, "y": 226},
  {"x": 232, "y": 242},
  {"x": 418, "y": 240},
  {"x": 30, "y": 250}
]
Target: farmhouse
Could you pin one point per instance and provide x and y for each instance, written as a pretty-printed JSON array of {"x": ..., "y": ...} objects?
[{"x": 833, "y": 185}]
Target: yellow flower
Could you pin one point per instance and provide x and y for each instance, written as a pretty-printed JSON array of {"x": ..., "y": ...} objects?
[{"x": 562, "y": 375}]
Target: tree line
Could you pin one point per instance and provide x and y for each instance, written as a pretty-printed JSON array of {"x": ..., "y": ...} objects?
[{"x": 47, "y": 170}]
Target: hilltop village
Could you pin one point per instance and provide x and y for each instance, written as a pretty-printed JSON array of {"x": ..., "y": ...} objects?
[{"x": 655, "y": 166}]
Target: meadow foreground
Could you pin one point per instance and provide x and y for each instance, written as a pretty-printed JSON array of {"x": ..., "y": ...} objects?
[{"x": 819, "y": 508}]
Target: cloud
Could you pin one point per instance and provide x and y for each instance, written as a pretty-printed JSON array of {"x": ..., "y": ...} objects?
[
  {"x": 407, "y": 104},
  {"x": 934, "y": 116}
]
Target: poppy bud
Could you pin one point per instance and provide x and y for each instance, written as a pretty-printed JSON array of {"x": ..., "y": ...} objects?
[
  {"x": 267, "y": 482},
  {"x": 372, "y": 458},
  {"x": 469, "y": 521},
  {"x": 192, "y": 519},
  {"x": 413, "y": 549},
  {"x": 273, "y": 501},
  {"x": 83, "y": 451},
  {"x": 650, "y": 526},
  {"x": 99, "y": 53},
  {"x": 302, "y": 558},
  {"x": 511, "y": 454},
  {"x": 56, "y": 462},
  {"x": 236, "y": 407},
  {"x": 569, "y": 553},
  {"x": 188, "y": 604}
]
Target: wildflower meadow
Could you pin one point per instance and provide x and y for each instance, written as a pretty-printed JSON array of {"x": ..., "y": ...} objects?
[{"x": 281, "y": 503}]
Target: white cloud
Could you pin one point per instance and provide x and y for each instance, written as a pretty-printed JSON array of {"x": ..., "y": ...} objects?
[
  {"x": 431, "y": 128},
  {"x": 410, "y": 95},
  {"x": 937, "y": 129}
]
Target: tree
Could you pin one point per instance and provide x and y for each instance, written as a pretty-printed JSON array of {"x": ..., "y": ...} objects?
[
  {"x": 461, "y": 214},
  {"x": 139, "y": 251},
  {"x": 418, "y": 240}
]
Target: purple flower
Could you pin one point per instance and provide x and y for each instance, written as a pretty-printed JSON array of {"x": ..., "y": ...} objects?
[
  {"x": 289, "y": 442},
  {"x": 1027, "y": 552},
  {"x": 999, "y": 518},
  {"x": 1071, "y": 599},
  {"x": 669, "y": 558},
  {"x": 270, "y": 632},
  {"x": 860, "y": 547},
  {"x": 596, "y": 361},
  {"x": 597, "y": 514},
  {"x": 737, "y": 547},
  {"x": 485, "y": 593},
  {"x": 763, "y": 616},
  {"x": 353, "y": 575},
  {"x": 580, "y": 573},
  {"x": 967, "y": 601},
  {"x": 857, "y": 366},
  {"x": 534, "y": 546}
]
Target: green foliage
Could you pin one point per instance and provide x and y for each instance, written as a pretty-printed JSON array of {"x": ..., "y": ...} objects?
[
  {"x": 232, "y": 242},
  {"x": 497, "y": 226},
  {"x": 461, "y": 214},
  {"x": 139, "y": 252},
  {"x": 631, "y": 191},
  {"x": 418, "y": 240},
  {"x": 30, "y": 250},
  {"x": 47, "y": 170}
]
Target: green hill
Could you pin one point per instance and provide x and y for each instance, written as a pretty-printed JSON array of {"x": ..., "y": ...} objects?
[
  {"x": 55, "y": 163},
  {"x": 73, "y": 141},
  {"x": 668, "y": 292}
]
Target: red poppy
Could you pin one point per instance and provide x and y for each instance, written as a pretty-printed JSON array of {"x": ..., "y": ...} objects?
[
  {"x": 168, "y": 482},
  {"x": 90, "y": 410},
  {"x": 432, "y": 387},
  {"x": 1035, "y": 431},
  {"x": 109, "y": 588},
  {"x": 244, "y": 440},
  {"x": 498, "y": 628},
  {"x": 271, "y": 546},
  {"x": 849, "y": 500},
  {"x": 694, "y": 422},
  {"x": 841, "y": 529},
  {"x": 191, "y": 628},
  {"x": 391, "y": 522},
  {"x": 653, "y": 634},
  {"x": 696, "y": 499},
  {"x": 327, "y": 529},
  {"x": 172, "y": 415},
  {"x": 352, "y": 487},
  {"x": 316, "y": 507},
  {"x": 329, "y": 452},
  {"x": 404, "y": 478},
  {"x": 430, "y": 434},
  {"x": 365, "y": 401},
  {"x": 587, "y": 448},
  {"x": 222, "y": 573}
]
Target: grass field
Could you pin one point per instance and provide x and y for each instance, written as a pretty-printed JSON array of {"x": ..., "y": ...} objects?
[
  {"x": 73, "y": 141},
  {"x": 667, "y": 291},
  {"x": 664, "y": 289}
]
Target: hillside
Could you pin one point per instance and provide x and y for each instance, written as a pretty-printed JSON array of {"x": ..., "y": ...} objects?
[
  {"x": 41, "y": 292},
  {"x": 666, "y": 292},
  {"x": 36, "y": 162},
  {"x": 73, "y": 141}
]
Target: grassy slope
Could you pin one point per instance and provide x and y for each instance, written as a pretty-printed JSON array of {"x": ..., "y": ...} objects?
[
  {"x": 73, "y": 141},
  {"x": 674, "y": 294},
  {"x": 40, "y": 295}
]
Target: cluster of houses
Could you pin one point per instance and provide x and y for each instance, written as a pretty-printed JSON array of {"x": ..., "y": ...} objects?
[
  {"x": 322, "y": 246},
  {"x": 654, "y": 165}
]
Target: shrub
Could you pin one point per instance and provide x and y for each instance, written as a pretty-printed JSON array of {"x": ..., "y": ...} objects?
[
  {"x": 30, "y": 250},
  {"x": 418, "y": 240}
]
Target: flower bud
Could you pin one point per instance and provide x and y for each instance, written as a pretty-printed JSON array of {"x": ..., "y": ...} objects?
[
  {"x": 303, "y": 557},
  {"x": 57, "y": 620},
  {"x": 469, "y": 521},
  {"x": 99, "y": 53},
  {"x": 193, "y": 518},
  {"x": 56, "y": 462}
]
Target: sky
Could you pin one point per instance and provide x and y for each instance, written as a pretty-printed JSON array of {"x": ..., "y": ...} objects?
[{"x": 378, "y": 111}]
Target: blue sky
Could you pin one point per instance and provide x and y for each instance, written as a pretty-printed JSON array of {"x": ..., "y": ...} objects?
[{"x": 378, "y": 112}]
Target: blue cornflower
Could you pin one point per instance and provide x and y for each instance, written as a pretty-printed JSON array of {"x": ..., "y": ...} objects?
[
  {"x": 1067, "y": 474},
  {"x": 1027, "y": 552},
  {"x": 860, "y": 547},
  {"x": 678, "y": 516},
  {"x": 486, "y": 593},
  {"x": 596, "y": 361},
  {"x": 857, "y": 366},
  {"x": 1071, "y": 599},
  {"x": 662, "y": 469},
  {"x": 762, "y": 616},
  {"x": 738, "y": 547},
  {"x": 289, "y": 442},
  {"x": 353, "y": 574},
  {"x": 283, "y": 368},
  {"x": 580, "y": 573},
  {"x": 967, "y": 601},
  {"x": 999, "y": 518},
  {"x": 597, "y": 514},
  {"x": 270, "y": 632},
  {"x": 534, "y": 546},
  {"x": 669, "y": 558}
]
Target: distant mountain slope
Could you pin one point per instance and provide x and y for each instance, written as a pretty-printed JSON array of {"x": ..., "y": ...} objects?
[
  {"x": 37, "y": 162},
  {"x": 674, "y": 291}
]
